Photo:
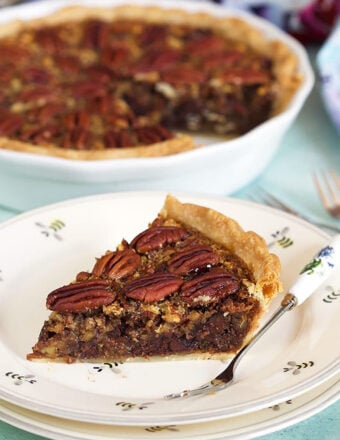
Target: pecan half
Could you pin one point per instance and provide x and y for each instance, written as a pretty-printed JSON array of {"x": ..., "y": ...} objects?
[
  {"x": 13, "y": 53},
  {"x": 77, "y": 118},
  {"x": 157, "y": 237},
  {"x": 118, "y": 139},
  {"x": 78, "y": 138},
  {"x": 81, "y": 296},
  {"x": 183, "y": 75},
  {"x": 116, "y": 265},
  {"x": 114, "y": 57},
  {"x": 39, "y": 135},
  {"x": 205, "y": 44},
  {"x": 45, "y": 113},
  {"x": 192, "y": 259},
  {"x": 88, "y": 89},
  {"x": 157, "y": 60},
  {"x": 150, "y": 135},
  {"x": 153, "y": 288},
  {"x": 246, "y": 76},
  {"x": 36, "y": 75},
  {"x": 67, "y": 63},
  {"x": 49, "y": 39},
  {"x": 209, "y": 287},
  {"x": 96, "y": 33},
  {"x": 37, "y": 93},
  {"x": 10, "y": 123}
]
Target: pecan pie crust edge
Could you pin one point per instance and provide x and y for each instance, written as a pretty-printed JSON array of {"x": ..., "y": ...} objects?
[
  {"x": 225, "y": 231},
  {"x": 285, "y": 68},
  {"x": 179, "y": 144},
  {"x": 247, "y": 245}
]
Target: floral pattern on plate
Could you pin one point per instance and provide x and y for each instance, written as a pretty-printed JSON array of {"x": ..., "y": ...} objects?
[{"x": 118, "y": 392}]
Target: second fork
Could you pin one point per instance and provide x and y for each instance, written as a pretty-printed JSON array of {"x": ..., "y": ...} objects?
[{"x": 263, "y": 196}]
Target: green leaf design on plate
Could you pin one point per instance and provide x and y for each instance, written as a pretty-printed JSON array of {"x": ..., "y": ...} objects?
[
  {"x": 52, "y": 229},
  {"x": 311, "y": 266}
]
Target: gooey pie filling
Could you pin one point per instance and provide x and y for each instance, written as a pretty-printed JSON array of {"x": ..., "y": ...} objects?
[
  {"x": 96, "y": 84},
  {"x": 169, "y": 291}
]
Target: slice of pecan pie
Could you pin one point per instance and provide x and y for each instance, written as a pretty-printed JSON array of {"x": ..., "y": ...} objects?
[
  {"x": 96, "y": 83},
  {"x": 193, "y": 284}
]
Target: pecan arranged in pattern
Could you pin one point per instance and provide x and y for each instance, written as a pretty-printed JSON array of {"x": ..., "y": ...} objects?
[
  {"x": 246, "y": 77},
  {"x": 114, "y": 57},
  {"x": 205, "y": 44},
  {"x": 150, "y": 135},
  {"x": 10, "y": 123},
  {"x": 81, "y": 296},
  {"x": 119, "y": 139},
  {"x": 13, "y": 53},
  {"x": 49, "y": 39},
  {"x": 37, "y": 93},
  {"x": 40, "y": 135},
  {"x": 97, "y": 33},
  {"x": 210, "y": 287},
  {"x": 88, "y": 88},
  {"x": 77, "y": 138},
  {"x": 191, "y": 259},
  {"x": 116, "y": 265},
  {"x": 183, "y": 75},
  {"x": 78, "y": 118},
  {"x": 45, "y": 113},
  {"x": 36, "y": 75},
  {"x": 158, "y": 60},
  {"x": 153, "y": 288},
  {"x": 157, "y": 237}
]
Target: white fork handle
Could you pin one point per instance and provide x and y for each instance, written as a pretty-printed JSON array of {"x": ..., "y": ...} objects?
[{"x": 316, "y": 271}]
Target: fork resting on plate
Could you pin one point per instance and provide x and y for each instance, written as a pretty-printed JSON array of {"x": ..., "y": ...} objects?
[{"x": 312, "y": 275}]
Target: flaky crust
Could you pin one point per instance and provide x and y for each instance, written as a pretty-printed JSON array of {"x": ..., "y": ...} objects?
[
  {"x": 179, "y": 144},
  {"x": 285, "y": 68},
  {"x": 225, "y": 231},
  {"x": 249, "y": 246}
]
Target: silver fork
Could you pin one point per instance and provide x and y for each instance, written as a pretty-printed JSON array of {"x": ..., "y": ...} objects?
[
  {"x": 311, "y": 276},
  {"x": 271, "y": 200},
  {"x": 329, "y": 192}
]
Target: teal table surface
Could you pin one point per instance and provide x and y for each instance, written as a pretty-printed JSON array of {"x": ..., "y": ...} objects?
[{"x": 312, "y": 144}]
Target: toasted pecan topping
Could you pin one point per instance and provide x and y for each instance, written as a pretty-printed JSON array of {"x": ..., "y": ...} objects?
[
  {"x": 157, "y": 237},
  {"x": 210, "y": 287},
  {"x": 153, "y": 288},
  {"x": 116, "y": 265},
  {"x": 80, "y": 296},
  {"x": 168, "y": 76},
  {"x": 191, "y": 259}
]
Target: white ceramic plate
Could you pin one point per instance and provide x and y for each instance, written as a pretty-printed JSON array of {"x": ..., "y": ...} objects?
[
  {"x": 220, "y": 167},
  {"x": 45, "y": 248},
  {"x": 244, "y": 427}
]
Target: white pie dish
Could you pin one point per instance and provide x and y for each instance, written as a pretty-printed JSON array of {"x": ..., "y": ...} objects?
[{"x": 220, "y": 167}]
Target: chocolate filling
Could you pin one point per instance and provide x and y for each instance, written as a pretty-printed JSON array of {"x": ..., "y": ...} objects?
[{"x": 181, "y": 293}]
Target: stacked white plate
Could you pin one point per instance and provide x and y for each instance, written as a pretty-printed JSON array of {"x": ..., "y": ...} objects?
[{"x": 291, "y": 374}]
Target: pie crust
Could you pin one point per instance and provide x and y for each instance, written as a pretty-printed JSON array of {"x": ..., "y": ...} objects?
[
  {"x": 199, "y": 293},
  {"x": 283, "y": 85}
]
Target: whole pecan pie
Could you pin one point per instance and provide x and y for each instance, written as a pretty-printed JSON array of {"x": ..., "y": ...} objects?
[
  {"x": 96, "y": 83},
  {"x": 193, "y": 284}
]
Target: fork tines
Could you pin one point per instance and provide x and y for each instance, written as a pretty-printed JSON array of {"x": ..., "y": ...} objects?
[{"x": 328, "y": 186}]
